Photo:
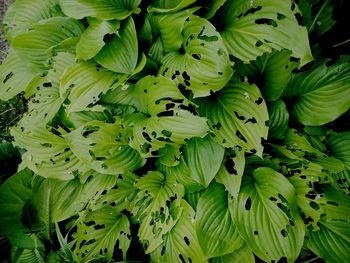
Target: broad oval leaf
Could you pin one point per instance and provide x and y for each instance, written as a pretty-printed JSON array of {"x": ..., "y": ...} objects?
[
  {"x": 332, "y": 241},
  {"x": 91, "y": 41},
  {"x": 202, "y": 64},
  {"x": 243, "y": 254},
  {"x": 237, "y": 115},
  {"x": 102, "y": 9},
  {"x": 161, "y": 6},
  {"x": 339, "y": 146},
  {"x": 216, "y": 232},
  {"x": 321, "y": 94},
  {"x": 252, "y": 28},
  {"x": 120, "y": 54},
  {"x": 267, "y": 217},
  {"x": 181, "y": 242},
  {"x": 103, "y": 147}
]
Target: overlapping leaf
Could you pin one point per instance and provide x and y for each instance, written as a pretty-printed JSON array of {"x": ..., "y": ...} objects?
[
  {"x": 238, "y": 116},
  {"x": 252, "y": 28}
]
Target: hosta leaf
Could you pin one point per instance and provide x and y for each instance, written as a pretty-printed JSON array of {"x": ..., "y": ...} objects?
[
  {"x": 22, "y": 15},
  {"x": 156, "y": 207},
  {"x": 83, "y": 83},
  {"x": 216, "y": 232},
  {"x": 16, "y": 76},
  {"x": 102, "y": 9},
  {"x": 121, "y": 52},
  {"x": 267, "y": 217},
  {"x": 237, "y": 115},
  {"x": 243, "y": 254},
  {"x": 91, "y": 41},
  {"x": 211, "y": 7},
  {"x": 322, "y": 94},
  {"x": 98, "y": 232},
  {"x": 332, "y": 241},
  {"x": 271, "y": 72},
  {"x": 298, "y": 144},
  {"x": 14, "y": 193},
  {"x": 201, "y": 64},
  {"x": 161, "y": 6},
  {"x": 36, "y": 46},
  {"x": 30, "y": 255},
  {"x": 252, "y": 28},
  {"x": 167, "y": 116},
  {"x": 339, "y": 146},
  {"x": 103, "y": 147},
  {"x": 48, "y": 154},
  {"x": 231, "y": 171},
  {"x": 202, "y": 158},
  {"x": 43, "y": 107},
  {"x": 279, "y": 119},
  {"x": 181, "y": 243}
]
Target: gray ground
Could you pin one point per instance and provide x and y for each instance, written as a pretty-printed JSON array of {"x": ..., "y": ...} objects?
[{"x": 3, "y": 44}]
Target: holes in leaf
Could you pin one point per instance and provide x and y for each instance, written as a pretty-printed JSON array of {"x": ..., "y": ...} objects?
[
  {"x": 208, "y": 38},
  {"x": 266, "y": 21},
  {"x": 280, "y": 16},
  {"x": 259, "y": 101},
  {"x": 181, "y": 257},
  {"x": 256, "y": 232},
  {"x": 332, "y": 203},
  {"x": 240, "y": 117},
  {"x": 99, "y": 226},
  {"x": 259, "y": 43},
  {"x": 314, "y": 205},
  {"x": 169, "y": 106},
  {"x": 8, "y": 76},
  {"x": 146, "y": 136},
  {"x": 196, "y": 56},
  {"x": 46, "y": 145},
  {"x": 285, "y": 209},
  {"x": 168, "y": 113},
  {"x": 47, "y": 84},
  {"x": 241, "y": 137},
  {"x": 166, "y": 133},
  {"x": 248, "y": 204},
  {"x": 300, "y": 19},
  {"x": 273, "y": 199},
  {"x": 187, "y": 241},
  {"x": 282, "y": 260},
  {"x": 283, "y": 199},
  {"x": 229, "y": 165},
  {"x": 217, "y": 126},
  {"x": 162, "y": 252},
  {"x": 89, "y": 130},
  {"x": 284, "y": 232},
  {"x": 252, "y": 120}
]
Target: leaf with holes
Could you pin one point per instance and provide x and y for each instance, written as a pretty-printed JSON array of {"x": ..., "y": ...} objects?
[
  {"x": 243, "y": 254},
  {"x": 237, "y": 115},
  {"x": 252, "y": 28},
  {"x": 197, "y": 58},
  {"x": 321, "y": 94},
  {"x": 181, "y": 242},
  {"x": 157, "y": 207},
  {"x": 98, "y": 231},
  {"x": 216, "y": 232},
  {"x": 267, "y": 202}
]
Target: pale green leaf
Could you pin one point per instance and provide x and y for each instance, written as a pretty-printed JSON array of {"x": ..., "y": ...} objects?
[
  {"x": 164, "y": 6},
  {"x": 243, "y": 254},
  {"x": 279, "y": 119},
  {"x": 91, "y": 41},
  {"x": 321, "y": 94},
  {"x": 101, "y": 9},
  {"x": 103, "y": 147},
  {"x": 237, "y": 115},
  {"x": 156, "y": 207},
  {"x": 181, "y": 243},
  {"x": 252, "y": 28},
  {"x": 120, "y": 54},
  {"x": 267, "y": 217},
  {"x": 216, "y": 232}
]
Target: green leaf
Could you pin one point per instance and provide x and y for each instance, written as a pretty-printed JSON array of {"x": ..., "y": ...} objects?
[
  {"x": 339, "y": 146},
  {"x": 231, "y": 171},
  {"x": 16, "y": 76},
  {"x": 38, "y": 45},
  {"x": 201, "y": 64},
  {"x": 103, "y": 147},
  {"x": 267, "y": 202},
  {"x": 48, "y": 154},
  {"x": 102, "y": 9},
  {"x": 14, "y": 193},
  {"x": 83, "y": 83},
  {"x": 120, "y": 54},
  {"x": 243, "y": 254},
  {"x": 252, "y": 28},
  {"x": 216, "y": 232},
  {"x": 237, "y": 115},
  {"x": 99, "y": 231},
  {"x": 321, "y": 94},
  {"x": 181, "y": 243},
  {"x": 332, "y": 241},
  {"x": 22, "y": 15},
  {"x": 212, "y": 7},
  {"x": 91, "y": 41},
  {"x": 163, "y": 6},
  {"x": 271, "y": 71},
  {"x": 166, "y": 116},
  {"x": 8, "y": 152},
  {"x": 34, "y": 255},
  {"x": 156, "y": 207},
  {"x": 279, "y": 119}
]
